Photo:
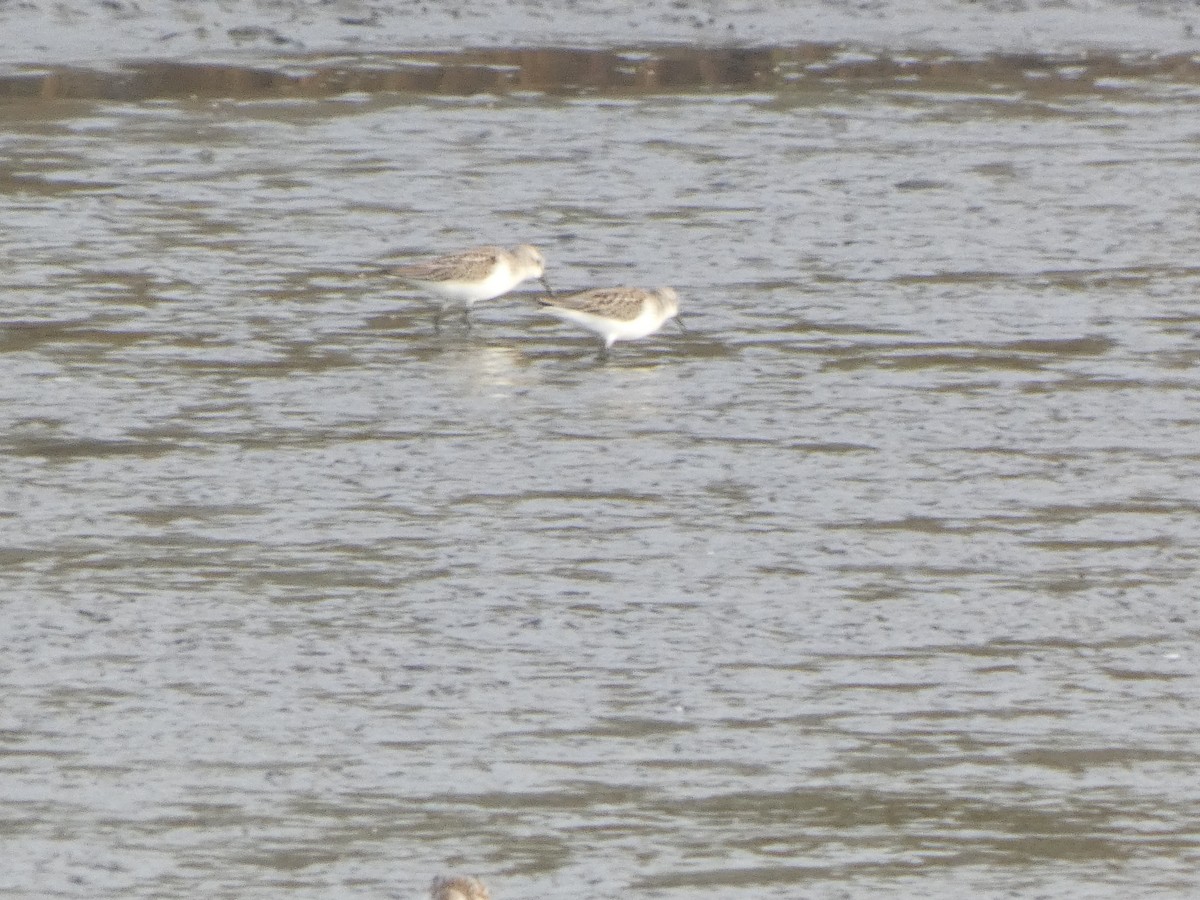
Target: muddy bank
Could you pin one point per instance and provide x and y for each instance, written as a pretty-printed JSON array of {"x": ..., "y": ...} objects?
[
  {"x": 616, "y": 72},
  {"x": 91, "y": 34}
]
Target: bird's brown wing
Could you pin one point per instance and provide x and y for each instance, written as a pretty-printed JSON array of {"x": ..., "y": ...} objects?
[
  {"x": 612, "y": 303},
  {"x": 470, "y": 265}
]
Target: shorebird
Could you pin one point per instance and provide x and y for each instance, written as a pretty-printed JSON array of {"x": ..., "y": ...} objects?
[
  {"x": 458, "y": 887},
  {"x": 482, "y": 273},
  {"x": 616, "y": 314}
]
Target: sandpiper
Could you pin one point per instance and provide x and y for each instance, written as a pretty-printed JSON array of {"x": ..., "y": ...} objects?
[
  {"x": 458, "y": 887},
  {"x": 481, "y": 273},
  {"x": 616, "y": 314}
]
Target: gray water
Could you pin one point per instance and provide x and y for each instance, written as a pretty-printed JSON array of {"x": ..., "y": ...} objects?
[{"x": 880, "y": 579}]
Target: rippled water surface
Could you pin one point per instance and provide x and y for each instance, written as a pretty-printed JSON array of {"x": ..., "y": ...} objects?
[{"x": 879, "y": 580}]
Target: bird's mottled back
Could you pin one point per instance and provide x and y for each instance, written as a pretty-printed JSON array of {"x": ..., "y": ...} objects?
[
  {"x": 622, "y": 303},
  {"x": 470, "y": 265}
]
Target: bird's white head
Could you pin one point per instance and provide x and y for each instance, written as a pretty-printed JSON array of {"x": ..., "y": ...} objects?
[
  {"x": 668, "y": 302},
  {"x": 531, "y": 259}
]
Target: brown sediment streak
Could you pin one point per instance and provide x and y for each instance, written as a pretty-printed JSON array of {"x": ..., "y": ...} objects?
[{"x": 615, "y": 72}]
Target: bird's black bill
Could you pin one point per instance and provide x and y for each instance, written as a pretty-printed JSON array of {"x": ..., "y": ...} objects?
[
  {"x": 546, "y": 285},
  {"x": 679, "y": 322}
]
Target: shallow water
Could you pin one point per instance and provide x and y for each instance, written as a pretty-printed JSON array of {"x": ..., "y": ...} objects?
[{"x": 880, "y": 578}]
